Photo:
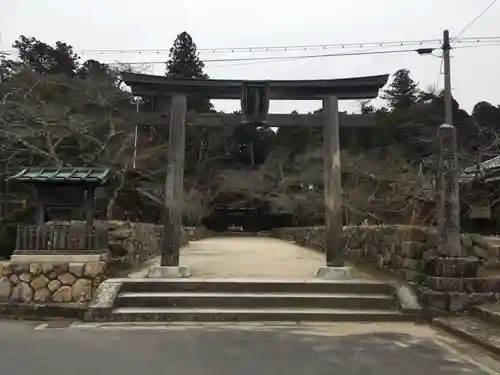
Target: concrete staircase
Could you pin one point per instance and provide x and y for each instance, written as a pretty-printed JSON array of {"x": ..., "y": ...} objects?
[{"x": 250, "y": 300}]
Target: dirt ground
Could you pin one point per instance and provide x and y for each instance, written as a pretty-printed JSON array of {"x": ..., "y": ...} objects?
[{"x": 247, "y": 257}]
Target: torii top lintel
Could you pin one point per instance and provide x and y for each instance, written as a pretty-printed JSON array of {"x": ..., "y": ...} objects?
[{"x": 344, "y": 89}]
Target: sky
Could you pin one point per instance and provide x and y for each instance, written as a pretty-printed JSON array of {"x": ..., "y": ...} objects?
[{"x": 154, "y": 24}]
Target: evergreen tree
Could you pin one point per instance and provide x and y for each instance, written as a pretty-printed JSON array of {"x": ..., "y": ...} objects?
[
  {"x": 402, "y": 91},
  {"x": 44, "y": 58},
  {"x": 366, "y": 108},
  {"x": 184, "y": 59},
  {"x": 5, "y": 67},
  {"x": 93, "y": 69},
  {"x": 487, "y": 114},
  {"x": 185, "y": 62}
]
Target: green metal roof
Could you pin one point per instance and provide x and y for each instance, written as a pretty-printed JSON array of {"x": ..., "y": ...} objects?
[{"x": 65, "y": 175}]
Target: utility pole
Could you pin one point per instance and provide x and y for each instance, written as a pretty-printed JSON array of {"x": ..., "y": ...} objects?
[{"x": 447, "y": 78}]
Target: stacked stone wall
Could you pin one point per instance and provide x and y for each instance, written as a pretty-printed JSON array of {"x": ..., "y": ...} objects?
[
  {"x": 43, "y": 282},
  {"x": 411, "y": 253},
  {"x": 132, "y": 244}
]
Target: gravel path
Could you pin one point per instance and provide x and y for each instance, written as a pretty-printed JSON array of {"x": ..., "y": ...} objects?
[{"x": 246, "y": 257}]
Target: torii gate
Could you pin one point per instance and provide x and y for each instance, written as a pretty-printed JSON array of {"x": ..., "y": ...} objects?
[{"x": 255, "y": 97}]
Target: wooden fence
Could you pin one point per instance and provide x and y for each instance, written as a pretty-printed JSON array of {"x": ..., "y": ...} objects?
[{"x": 61, "y": 237}]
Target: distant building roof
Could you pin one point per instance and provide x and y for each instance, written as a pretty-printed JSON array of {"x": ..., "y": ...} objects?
[
  {"x": 487, "y": 171},
  {"x": 64, "y": 175}
]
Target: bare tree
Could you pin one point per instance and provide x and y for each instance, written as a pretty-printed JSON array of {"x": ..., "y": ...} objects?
[{"x": 55, "y": 120}]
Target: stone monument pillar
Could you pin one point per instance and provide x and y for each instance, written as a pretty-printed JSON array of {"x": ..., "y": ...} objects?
[
  {"x": 450, "y": 276},
  {"x": 447, "y": 193}
]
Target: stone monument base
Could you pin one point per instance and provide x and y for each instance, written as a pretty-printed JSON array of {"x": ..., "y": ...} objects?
[
  {"x": 335, "y": 273},
  {"x": 165, "y": 272}
]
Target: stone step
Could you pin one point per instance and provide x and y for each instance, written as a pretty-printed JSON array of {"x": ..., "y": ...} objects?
[
  {"x": 138, "y": 314},
  {"x": 254, "y": 286},
  {"x": 257, "y": 300}
]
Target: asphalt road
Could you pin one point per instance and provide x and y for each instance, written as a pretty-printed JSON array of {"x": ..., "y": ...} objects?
[{"x": 351, "y": 349}]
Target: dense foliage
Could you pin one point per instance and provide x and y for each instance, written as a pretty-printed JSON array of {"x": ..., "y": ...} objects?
[{"x": 55, "y": 110}]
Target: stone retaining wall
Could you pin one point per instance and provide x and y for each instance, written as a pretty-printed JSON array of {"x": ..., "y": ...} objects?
[
  {"x": 132, "y": 244},
  {"x": 411, "y": 253},
  {"x": 195, "y": 234},
  {"x": 42, "y": 282},
  {"x": 389, "y": 246}
]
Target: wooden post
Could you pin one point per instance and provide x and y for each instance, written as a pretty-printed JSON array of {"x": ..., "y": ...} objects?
[
  {"x": 174, "y": 184},
  {"x": 89, "y": 207},
  {"x": 40, "y": 206},
  {"x": 3, "y": 192},
  {"x": 447, "y": 194},
  {"x": 333, "y": 184}
]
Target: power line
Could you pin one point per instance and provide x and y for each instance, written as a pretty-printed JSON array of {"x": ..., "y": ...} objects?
[
  {"x": 285, "y": 48},
  {"x": 478, "y": 46},
  {"x": 280, "y": 47},
  {"x": 474, "y": 20},
  {"x": 214, "y": 64},
  {"x": 484, "y": 39},
  {"x": 285, "y": 58},
  {"x": 470, "y": 42},
  {"x": 320, "y": 46},
  {"x": 291, "y": 48},
  {"x": 480, "y": 37},
  {"x": 462, "y": 47},
  {"x": 312, "y": 56},
  {"x": 439, "y": 73}
]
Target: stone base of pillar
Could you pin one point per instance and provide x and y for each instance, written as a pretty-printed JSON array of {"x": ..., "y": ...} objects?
[
  {"x": 163, "y": 272},
  {"x": 335, "y": 273},
  {"x": 452, "y": 284}
]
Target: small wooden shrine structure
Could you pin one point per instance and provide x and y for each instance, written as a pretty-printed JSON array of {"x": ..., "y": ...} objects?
[
  {"x": 480, "y": 197},
  {"x": 63, "y": 189}
]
